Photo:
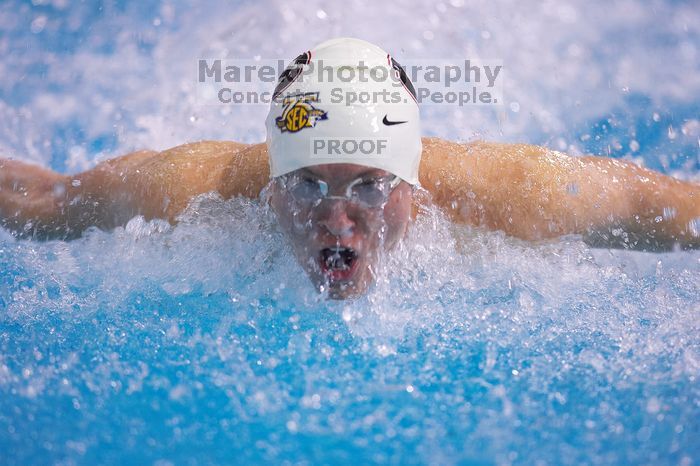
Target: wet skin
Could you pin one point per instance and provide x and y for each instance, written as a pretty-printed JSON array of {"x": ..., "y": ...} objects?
[
  {"x": 336, "y": 223},
  {"x": 527, "y": 192}
]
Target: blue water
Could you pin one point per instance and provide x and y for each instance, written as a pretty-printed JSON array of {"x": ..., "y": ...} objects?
[{"x": 205, "y": 343}]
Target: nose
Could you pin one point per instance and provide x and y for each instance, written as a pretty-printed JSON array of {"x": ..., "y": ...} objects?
[{"x": 334, "y": 218}]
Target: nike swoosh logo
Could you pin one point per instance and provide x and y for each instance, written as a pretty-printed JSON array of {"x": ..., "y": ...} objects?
[{"x": 389, "y": 123}]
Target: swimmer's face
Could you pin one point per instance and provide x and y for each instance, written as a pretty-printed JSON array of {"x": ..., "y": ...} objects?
[{"x": 339, "y": 241}]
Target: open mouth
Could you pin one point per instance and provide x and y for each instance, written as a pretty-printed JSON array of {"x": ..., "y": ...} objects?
[{"x": 338, "y": 263}]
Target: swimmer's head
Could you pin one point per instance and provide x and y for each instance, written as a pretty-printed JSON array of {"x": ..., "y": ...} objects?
[
  {"x": 344, "y": 101},
  {"x": 343, "y": 136}
]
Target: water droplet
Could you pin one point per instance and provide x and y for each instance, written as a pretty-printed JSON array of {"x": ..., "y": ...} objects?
[
  {"x": 691, "y": 128},
  {"x": 59, "y": 190},
  {"x": 694, "y": 227},
  {"x": 38, "y": 24},
  {"x": 671, "y": 132}
]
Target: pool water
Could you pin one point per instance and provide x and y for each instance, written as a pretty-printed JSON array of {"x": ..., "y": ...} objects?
[{"x": 205, "y": 343}]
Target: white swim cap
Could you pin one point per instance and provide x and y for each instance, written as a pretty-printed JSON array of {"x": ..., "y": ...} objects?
[{"x": 344, "y": 101}]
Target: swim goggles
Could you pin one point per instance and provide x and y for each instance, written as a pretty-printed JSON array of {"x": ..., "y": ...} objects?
[{"x": 309, "y": 191}]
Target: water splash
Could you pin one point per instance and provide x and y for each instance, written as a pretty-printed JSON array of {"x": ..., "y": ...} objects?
[
  {"x": 209, "y": 340},
  {"x": 206, "y": 342}
]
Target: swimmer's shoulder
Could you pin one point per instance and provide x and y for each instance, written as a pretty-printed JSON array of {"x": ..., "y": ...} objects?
[
  {"x": 449, "y": 169},
  {"x": 443, "y": 160},
  {"x": 181, "y": 160},
  {"x": 438, "y": 152},
  {"x": 231, "y": 168},
  {"x": 193, "y": 157},
  {"x": 161, "y": 184},
  {"x": 479, "y": 172}
]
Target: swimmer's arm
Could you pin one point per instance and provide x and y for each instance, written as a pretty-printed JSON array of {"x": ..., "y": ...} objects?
[
  {"x": 41, "y": 204},
  {"x": 533, "y": 193},
  {"x": 626, "y": 206},
  {"x": 32, "y": 199},
  {"x": 38, "y": 203}
]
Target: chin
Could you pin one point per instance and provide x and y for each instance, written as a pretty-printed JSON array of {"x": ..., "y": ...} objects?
[
  {"x": 341, "y": 291},
  {"x": 352, "y": 288}
]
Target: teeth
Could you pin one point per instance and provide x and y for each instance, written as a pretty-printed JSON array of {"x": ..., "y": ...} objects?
[
  {"x": 338, "y": 258},
  {"x": 337, "y": 262}
]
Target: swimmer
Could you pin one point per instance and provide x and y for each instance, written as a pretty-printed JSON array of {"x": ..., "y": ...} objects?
[{"x": 342, "y": 181}]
